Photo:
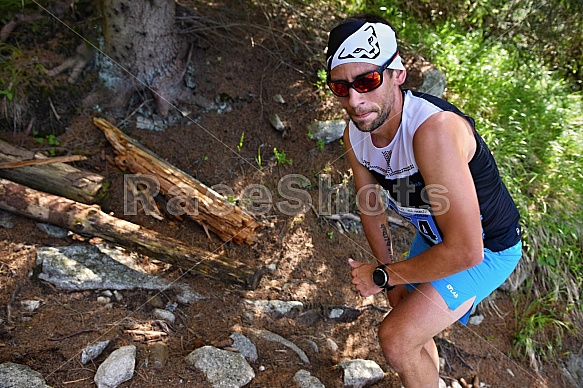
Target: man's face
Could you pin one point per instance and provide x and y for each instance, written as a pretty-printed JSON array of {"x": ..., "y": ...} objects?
[{"x": 369, "y": 110}]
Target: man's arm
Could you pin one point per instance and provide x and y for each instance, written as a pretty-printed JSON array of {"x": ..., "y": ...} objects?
[
  {"x": 376, "y": 228},
  {"x": 372, "y": 211}
]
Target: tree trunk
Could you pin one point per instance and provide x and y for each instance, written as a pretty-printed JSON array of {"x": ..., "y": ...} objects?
[
  {"x": 89, "y": 220},
  {"x": 56, "y": 178},
  {"x": 188, "y": 196},
  {"x": 139, "y": 36}
]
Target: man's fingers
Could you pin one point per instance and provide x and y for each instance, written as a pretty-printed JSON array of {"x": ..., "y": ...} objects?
[{"x": 354, "y": 263}]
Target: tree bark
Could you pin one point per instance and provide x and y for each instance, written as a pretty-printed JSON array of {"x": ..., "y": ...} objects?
[
  {"x": 89, "y": 220},
  {"x": 56, "y": 178},
  {"x": 146, "y": 53},
  {"x": 188, "y": 196}
]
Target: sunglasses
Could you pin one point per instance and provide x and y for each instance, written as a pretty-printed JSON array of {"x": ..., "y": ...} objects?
[{"x": 362, "y": 84}]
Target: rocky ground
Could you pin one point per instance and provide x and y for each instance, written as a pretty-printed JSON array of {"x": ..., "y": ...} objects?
[{"x": 227, "y": 139}]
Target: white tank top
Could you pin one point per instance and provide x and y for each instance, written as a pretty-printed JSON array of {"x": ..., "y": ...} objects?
[{"x": 397, "y": 159}]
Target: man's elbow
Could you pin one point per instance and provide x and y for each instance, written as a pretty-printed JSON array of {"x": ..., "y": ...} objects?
[{"x": 473, "y": 257}]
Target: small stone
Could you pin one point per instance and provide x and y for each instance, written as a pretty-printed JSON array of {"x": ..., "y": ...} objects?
[
  {"x": 279, "y": 99},
  {"x": 165, "y": 315},
  {"x": 103, "y": 299},
  {"x": 476, "y": 320},
  {"x": 156, "y": 301},
  {"x": 30, "y": 305},
  {"x": 244, "y": 346},
  {"x": 158, "y": 355},
  {"x": 360, "y": 373},
  {"x": 52, "y": 230},
  {"x": 304, "y": 379},
  {"x": 117, "y": 368},
  {"x": 327, "y": 131},
  {"x": 91, "y": 352},
  {"x": 332, "y": 345},
  {"x": 118, "y": 296},
  {"x": 276, "y": 122},
  {"x": 7, "y": 220}
]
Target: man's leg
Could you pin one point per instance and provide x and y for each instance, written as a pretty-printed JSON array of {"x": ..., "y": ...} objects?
[{"x": 406, "y": 335}]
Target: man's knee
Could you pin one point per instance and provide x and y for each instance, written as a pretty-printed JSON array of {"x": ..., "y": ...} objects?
[{"x": 395, "y": 344}]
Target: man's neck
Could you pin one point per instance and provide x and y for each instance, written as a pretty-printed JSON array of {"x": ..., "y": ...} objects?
[{"x": 384, "y": 135}]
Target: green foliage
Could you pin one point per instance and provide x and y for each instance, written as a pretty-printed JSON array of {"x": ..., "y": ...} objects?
[
  {"x": 281, "y": 158},
  {"x": 49, "y": 140},
  {"x": 539, "y": 331},
  {"x": 240, "y": 145},
  {"x": 258, "y": 158},
  {"x": 320, "y": 83}
]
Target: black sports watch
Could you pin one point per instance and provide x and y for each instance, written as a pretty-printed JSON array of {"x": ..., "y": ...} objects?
[{"x": 380, "y": 277}]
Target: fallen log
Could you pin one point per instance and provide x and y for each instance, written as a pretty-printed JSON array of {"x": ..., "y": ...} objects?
[
  {"x": 198, "y": 202},
  {"x": 89, "y": 220},
  {"x": 42, "y": 173}
]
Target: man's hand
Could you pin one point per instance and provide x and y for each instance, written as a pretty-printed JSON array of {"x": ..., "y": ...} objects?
[{"x": 362, "y": 277}]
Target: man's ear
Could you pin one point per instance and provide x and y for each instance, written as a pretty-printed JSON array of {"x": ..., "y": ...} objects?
[{"x": 400, "y": 76}]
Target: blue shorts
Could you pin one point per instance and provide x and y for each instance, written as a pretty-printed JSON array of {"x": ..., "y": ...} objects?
[{"x": 479, "y": 281}]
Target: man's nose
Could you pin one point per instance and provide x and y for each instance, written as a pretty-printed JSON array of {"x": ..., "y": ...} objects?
[{"x": 355, "y": 98}]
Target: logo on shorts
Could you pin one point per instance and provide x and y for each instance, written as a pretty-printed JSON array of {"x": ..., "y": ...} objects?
[{"x": 450, "y": 288}]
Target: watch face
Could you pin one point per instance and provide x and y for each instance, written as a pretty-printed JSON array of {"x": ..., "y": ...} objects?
[{"x": 379, "y": 277}]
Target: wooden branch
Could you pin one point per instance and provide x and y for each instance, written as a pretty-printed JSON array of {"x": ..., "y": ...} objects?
[
  {"x": 89, "y": 220},
  {"x": 213, "y": 211},
  {"x": 38, "y": 162},
  {"x": 39, "y": 172}
]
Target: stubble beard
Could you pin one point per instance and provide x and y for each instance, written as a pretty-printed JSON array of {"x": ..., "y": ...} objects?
[{"x": 382, "y": 116}]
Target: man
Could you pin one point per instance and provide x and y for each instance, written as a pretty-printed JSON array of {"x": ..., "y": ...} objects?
[{"x": 440, "y": 176}]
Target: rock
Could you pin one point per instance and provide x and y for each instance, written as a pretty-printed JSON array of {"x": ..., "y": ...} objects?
[
  {"x": 304, "y": 379},
  {"x": 276, "y": 122},
  {"x": 20, "y": 376},
  {"x": 269, "y": 336},
  {"x": 52, "y": 230},
  {"x": 279, "y": 99},
  {"x": 327, "y": 131},
  {"x": 433, "y": 82},
  {"x": 164, "y": 315},
  {"x": 442, "y": 383},
  {"x": 117, "y": 368},
  {"x": 574, "y": 369},
  {"x": 7, "y": 220},
  {"x": 158, "y": 355},
  {"x": 278, "y": 306},
  {"x": 345, "y": 314},
  {"x": 91, "y": 352},
  {"x": 156, "y": 124},
  {"x": 89, "y": 268},
  {"x": 223, "y": 369},
  {"x": 456, "y": 384},
  {"x": 333, "y": 346},
  {"x": 30, "y": 305},
  {"x": 244, "y": 346},
  {"x": 156, "y": 301},
  {"x": 476, "y": 319},
  {"x": 360, "y": 373}
]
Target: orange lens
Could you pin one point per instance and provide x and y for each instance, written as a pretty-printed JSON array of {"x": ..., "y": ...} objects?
[
  {"x": 367, "y": 82},
  {"x": 339, "y": 89}
]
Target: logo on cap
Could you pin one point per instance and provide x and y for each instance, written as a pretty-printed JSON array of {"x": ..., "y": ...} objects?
[{"x": 371, "y": 52}]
